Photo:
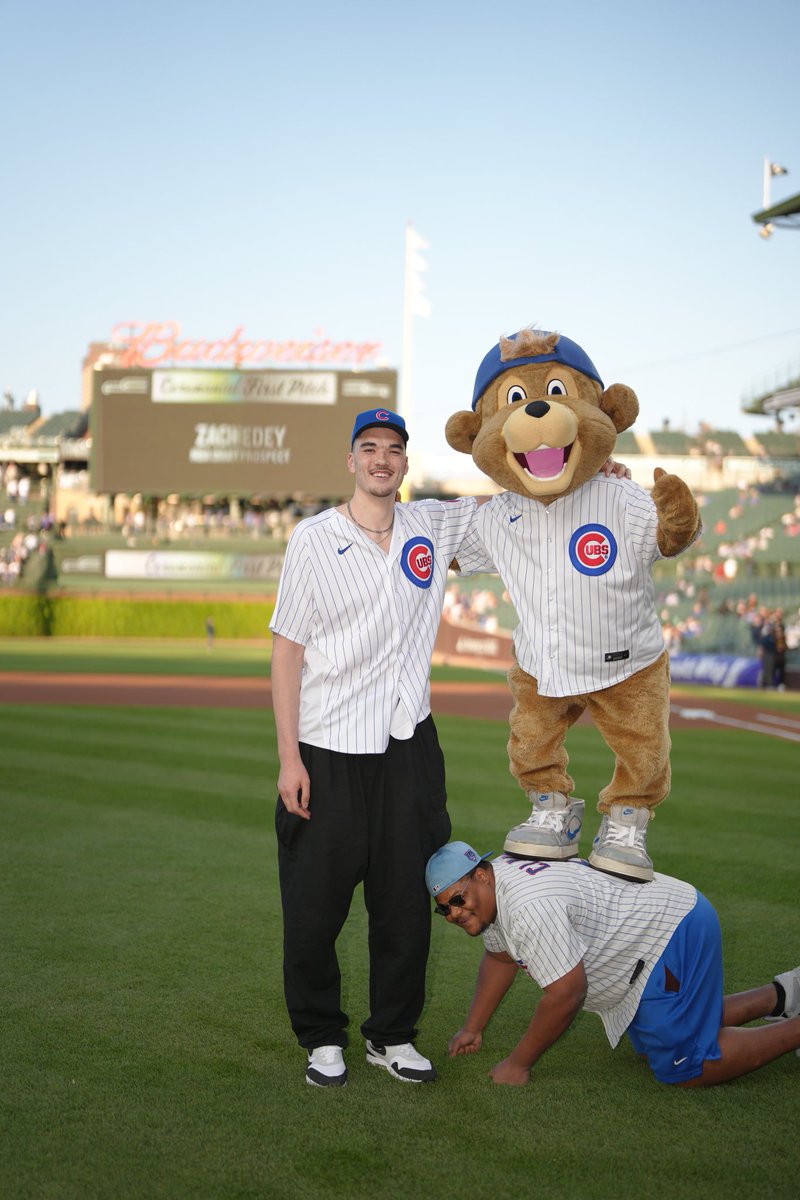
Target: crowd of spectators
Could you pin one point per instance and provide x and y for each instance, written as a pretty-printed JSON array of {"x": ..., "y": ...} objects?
[
  {"x": 15, "y": 483},
  {"x": 476, "y": 609},
  {"x": 736, "y": 549},
  {"x": 15, "y": 555},
  {"x": 759, "y": 628},
  {"x": 167, "y": 521}
]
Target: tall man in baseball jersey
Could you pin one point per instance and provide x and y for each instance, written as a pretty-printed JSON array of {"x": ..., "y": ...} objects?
[
  {"x": 647, "y": 958},
  {"x": 362, "y": 782}
]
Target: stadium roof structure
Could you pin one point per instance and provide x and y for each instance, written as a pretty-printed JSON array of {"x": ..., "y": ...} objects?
[
  {"x": 785, "y": 215},
  {"x": 782, "y": 399}
]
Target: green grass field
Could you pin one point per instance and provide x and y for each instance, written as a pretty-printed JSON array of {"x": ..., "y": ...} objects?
[
  {"x": 145, "y": 1048},
  {"x": 157, "y": 656}
]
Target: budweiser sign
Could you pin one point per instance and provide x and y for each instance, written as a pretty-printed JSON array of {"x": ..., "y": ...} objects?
[{"x": 148, "y": 344}]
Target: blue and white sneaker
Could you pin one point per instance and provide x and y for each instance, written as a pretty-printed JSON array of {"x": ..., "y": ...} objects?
[
  {"x": 326, "y": 1067},
  {"x": 402, "y": 1061},
  {"x": 552, "y": 831},
  {"x": 620, "y": 847}
]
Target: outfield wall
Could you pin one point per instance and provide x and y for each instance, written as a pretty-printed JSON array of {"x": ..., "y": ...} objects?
[{"x": 27, "y": 615}]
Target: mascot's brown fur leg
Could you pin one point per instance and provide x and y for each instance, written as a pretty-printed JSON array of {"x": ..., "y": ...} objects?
[
  {"x": 537, "y": 756},
  {"x": 633, "y": 717}
]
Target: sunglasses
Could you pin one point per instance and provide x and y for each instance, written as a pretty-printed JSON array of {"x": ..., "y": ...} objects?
[{"x": 456, "y": 901}]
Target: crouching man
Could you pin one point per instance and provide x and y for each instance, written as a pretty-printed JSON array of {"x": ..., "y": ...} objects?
[{"x": 647, "y": 958}]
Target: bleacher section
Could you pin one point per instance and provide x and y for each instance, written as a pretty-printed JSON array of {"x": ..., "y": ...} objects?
[
  {"x": 779, "y": 445},
  {"x": 16, "y": 420},
  {"x": 729, "y": 442},
  {"x": 626, "y": 444},
  {"x": 66, "y": 424},
  {"x": 672, "y": 442},
  {"x": 716, "y": 513}
]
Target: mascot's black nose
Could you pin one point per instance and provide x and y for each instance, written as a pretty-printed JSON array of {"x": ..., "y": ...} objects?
[{"x": 537, "y": 408}]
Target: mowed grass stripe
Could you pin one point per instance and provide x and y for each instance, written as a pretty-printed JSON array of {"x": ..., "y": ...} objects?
[{"x": 149, "y": 761}]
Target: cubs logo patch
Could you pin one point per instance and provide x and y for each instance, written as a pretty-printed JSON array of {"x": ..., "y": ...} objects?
[
  {"x": 416, "y": 559},
  {"x": 593, "y": 549}
]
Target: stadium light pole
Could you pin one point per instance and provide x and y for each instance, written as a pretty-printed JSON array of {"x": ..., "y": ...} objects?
[{"x": 770, "y": 169}]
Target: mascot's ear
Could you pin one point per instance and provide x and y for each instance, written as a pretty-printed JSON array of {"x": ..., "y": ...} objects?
[
  {"x": 461, "y": 431},
  {"x": 619, "y": 402}
]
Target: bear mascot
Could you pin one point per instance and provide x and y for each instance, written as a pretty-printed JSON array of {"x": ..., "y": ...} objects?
[{"x": 574, "y": 549}]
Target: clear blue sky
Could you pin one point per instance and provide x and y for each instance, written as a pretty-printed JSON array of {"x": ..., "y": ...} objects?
[{"x": 588, "y": 168}]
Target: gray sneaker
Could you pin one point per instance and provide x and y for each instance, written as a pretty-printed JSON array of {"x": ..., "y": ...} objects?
[
  {"x": 553, "y": 829},
  {"x": 620, "y": 847}
]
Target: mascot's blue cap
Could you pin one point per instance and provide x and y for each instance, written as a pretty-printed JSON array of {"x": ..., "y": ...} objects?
[{"x": 565, "y": 351}]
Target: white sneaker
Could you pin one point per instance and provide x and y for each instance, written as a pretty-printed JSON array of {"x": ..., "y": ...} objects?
[
  {"x": 552, "y": 831},
  {"x": 402, "y": 1061},
  {"x": 326, "y": 1067},
  {"x": 790, "y": 981},
  {"x": 620, "y": 847}
]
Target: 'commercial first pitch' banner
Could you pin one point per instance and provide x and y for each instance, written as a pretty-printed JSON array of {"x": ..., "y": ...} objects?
[{"x": 227, "y": 432}]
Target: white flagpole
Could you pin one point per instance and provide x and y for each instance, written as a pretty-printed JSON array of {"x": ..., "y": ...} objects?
[{"x": 414, "y": 304}]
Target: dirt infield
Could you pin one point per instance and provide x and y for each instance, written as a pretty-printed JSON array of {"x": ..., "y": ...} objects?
[{"x": 490, "y": 701}]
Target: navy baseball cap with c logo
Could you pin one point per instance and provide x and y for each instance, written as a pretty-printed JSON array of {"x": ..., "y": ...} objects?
[{"x": 376, "y": 417}]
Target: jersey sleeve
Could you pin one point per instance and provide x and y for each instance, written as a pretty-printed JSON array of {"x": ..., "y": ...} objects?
[
  {"x": 453, "y": 523},
  {"x": 546, "y": 941},
  {"x": 294, "y": 606},
  {"x": 641, "y": 523},
  {"x": 473, "y": 557},
  {"x": 493, "y": 939},
  {"x": 468, "y": 548}
]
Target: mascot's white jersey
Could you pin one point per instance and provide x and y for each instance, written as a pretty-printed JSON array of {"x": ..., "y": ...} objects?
[{"x": 578, "y": 574}]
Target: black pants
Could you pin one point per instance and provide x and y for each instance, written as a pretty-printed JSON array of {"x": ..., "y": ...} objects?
[{"x": 375, "y": 818}]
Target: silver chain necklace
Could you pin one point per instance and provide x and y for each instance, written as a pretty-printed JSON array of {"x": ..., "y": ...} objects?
[{"x": 366, "y": 528}]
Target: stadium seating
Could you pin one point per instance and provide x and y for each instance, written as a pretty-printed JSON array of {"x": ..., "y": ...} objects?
[
  {"x": 672, "y": 442},
  {"x": 66, "y": 424},
  {"x": 10, "y": 421},
  {"x": 779, "y": 445}
]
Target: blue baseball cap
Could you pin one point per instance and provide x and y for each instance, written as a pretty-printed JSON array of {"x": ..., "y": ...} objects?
[
  {"x": 449, "y": 864},
  {"x": 376, "y": 417},
  {"x": 565, "y": 351}
]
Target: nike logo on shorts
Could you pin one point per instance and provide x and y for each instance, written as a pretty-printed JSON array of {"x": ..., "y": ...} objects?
[
  {"x": 676, "y": 1062},
  {"x": 344, "y": 549}
]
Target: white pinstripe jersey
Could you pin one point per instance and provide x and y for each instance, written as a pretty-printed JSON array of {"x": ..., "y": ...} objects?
[
  {"x": 578, "y": 574},
  {"x": 368, "y": 620},
  {"x": 551, "y": 916}
]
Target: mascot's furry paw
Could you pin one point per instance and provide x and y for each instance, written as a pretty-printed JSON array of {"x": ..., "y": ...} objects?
[{"x": 678, "y": 514}]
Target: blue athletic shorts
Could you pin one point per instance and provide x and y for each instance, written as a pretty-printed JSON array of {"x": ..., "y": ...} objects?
[{"x": 680, "y": 1012}]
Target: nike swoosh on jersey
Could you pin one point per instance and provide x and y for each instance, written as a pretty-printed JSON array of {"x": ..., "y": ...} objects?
[
  {"x": 511, "y": 520},
  {"x": 344, "y": 549}
]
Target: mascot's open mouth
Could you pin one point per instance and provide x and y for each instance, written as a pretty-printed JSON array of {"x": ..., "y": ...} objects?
[{"x": 545, "y": 463}]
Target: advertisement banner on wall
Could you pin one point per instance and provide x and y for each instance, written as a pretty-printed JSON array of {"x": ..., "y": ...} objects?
[
  {"x": 194, "y": 566},
  {"x": 271, "y": 433},
  {"x": 715, "y": 670}
]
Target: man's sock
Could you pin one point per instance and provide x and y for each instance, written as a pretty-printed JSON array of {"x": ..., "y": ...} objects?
[{"x": 781, "y": 1005}]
